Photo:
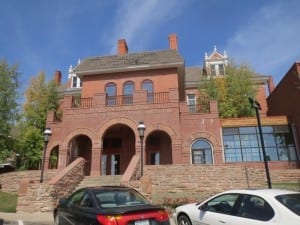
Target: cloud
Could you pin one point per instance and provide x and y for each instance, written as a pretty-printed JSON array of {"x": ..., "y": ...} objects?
[
  {"x": 270, "y": 39},
  {"x": 138, "y": 20}
]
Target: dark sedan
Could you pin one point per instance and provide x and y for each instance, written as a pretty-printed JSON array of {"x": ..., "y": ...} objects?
[{"x": 108, "y": 205}]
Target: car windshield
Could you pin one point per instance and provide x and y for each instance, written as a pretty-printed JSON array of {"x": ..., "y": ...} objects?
[
  {"x": 119, "y": 198},
  {"x": 291, "y": 201}
]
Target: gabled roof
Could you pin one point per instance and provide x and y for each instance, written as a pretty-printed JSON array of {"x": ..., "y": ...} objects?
[{"x": 130, "y": 62}]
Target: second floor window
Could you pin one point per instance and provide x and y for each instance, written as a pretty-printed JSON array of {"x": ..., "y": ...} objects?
[
  {"x": 148, "y": 86},
  {"x": 128, "y": 90},
  {"x": 111, "y": 92},
  {"x": 191, "y": 101}
]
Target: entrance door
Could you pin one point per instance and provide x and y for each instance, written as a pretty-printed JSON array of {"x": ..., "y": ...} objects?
[
  {"x": 115, "y": 164},
  {"x": 103, "y": 164},
  {"x": 110, "y": 164}
]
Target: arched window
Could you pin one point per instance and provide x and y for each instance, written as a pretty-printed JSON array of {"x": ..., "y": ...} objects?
[
  {"x": 201, "y": 152},
  {"x": 148, "y": 86},
  {"x": 111, "y": 92},
  {"x": 128, "y": 89}
]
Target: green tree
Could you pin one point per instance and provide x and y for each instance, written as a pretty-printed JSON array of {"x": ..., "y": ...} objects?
[
  {"x": 232, "y": 91},
  {"x": 41, "y": 97},
  {"x": 9, "y": 110}
]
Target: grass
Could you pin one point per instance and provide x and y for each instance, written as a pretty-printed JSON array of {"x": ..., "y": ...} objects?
[
  {"x": 288, "y": 186},
  {"x": 8, "y": 202}
]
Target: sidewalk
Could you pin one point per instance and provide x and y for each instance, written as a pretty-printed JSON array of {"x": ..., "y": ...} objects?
[{"x": 37, "y": 217}]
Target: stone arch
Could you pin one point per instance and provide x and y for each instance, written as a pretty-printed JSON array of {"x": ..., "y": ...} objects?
[
  {"x": 80, "y": 131},
  {"x": 212, "y": 139}
]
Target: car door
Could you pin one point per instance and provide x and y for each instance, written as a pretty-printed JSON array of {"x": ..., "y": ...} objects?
[
  {"x": 70, "y": 212},
  {"x": 218, "y": 210},
  {"x": 88, "y": 210},
  {"x": 254, "y": 210}
]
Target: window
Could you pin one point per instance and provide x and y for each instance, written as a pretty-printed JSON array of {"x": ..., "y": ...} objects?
[
  {"x": 222, "y": 204},
  {"x": 148, "y": 86},
  {"x": 191, "y": 101},
  {"x": 201, "y": 152},
  {"x": 77, "y": 197},
  {"x": 243, "y": 144},
  {"x": 213, "y": 70},
  {"x": 86, "y": 201},
  {"x": 111, "y": 92},
  {"x": 254, "y": 207},
  {"x": 221, "y": 69},
  {"x": 128, "y": 89},
  {"x": 76, "y": 82}
]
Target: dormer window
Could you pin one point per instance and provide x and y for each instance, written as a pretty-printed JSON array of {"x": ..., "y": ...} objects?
[{"x": 76, "y": 82}]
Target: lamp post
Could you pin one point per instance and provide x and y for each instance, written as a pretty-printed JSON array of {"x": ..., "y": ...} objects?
[
  {"x": 255, "y": 104},
  {"x": 141, "y": 128},
  {"x": 47, "y": 135}
]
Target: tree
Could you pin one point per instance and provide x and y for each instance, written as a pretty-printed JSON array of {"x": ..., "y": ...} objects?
[
  {"x": 41, "y": 97},
  {"x": 9, "y": 110},
  {"x": 232, "y": 91}
]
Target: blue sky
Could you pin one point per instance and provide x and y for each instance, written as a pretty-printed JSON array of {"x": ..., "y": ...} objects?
[{"x": 46, "y": 35}]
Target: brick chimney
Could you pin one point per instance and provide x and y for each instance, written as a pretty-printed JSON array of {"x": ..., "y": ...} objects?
[
  {"x": 57, "y": 77},
  {"x": 173, "y": 42},
  {"x": 122, "y": 47}
]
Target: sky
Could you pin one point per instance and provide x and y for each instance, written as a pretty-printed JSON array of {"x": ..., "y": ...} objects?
[{"x": 49, "y": 35}]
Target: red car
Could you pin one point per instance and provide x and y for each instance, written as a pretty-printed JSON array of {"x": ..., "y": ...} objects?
[{"x": 108, "y": 205}]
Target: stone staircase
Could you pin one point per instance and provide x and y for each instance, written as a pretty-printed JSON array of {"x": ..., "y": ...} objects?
[{"x": 90, "y": 181}]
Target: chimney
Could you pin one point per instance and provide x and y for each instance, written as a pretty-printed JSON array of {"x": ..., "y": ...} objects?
[
  {"x": 122, "y": 47},
  {"x": 57, "y": 77},
  {"x": 173, "y": 42}
]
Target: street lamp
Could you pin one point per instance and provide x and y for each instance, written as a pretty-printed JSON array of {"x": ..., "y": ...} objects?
[
  {"x": 47, "y": 135},
  {"x": 255, "y": 104},
  {"x": 141, "y": 128}
]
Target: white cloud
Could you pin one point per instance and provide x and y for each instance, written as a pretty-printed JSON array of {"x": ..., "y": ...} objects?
[
  {"x": 270, "y": 39},
  {"x": 137, "y": 20}
]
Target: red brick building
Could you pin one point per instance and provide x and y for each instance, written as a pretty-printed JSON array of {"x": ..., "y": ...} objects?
[
  {"x": 285, "y": 99},
  {"x": 106, "y": 97}
]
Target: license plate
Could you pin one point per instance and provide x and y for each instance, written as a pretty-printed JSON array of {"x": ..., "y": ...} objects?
[{"x": 142, "y": 222}]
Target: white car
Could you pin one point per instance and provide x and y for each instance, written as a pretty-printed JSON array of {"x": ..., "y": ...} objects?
[{"x": 243, "y": 207}]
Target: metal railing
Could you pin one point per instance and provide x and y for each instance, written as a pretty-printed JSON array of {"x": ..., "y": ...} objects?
[{"x": 78, "y": 102}]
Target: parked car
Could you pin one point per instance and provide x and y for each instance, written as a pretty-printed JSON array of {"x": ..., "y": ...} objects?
[
  {"x": 246, "y": 207},
  {"x": 108, "y": 205}
]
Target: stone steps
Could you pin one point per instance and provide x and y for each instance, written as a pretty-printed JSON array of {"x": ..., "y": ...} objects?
[{"x": 89, "y": 181}]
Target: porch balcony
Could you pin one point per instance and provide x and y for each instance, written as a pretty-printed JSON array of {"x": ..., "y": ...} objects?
[{"x": 140, "y": 100}]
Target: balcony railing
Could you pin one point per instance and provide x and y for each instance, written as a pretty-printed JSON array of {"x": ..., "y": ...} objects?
[
  {"x": 121, "y": 100},
  {"x": 78, "y": 102},
  {"x": 199, "y": 108}
]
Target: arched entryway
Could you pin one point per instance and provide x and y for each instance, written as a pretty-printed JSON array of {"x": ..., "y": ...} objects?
[
  {"x": 118, "y": 148},
  {"x": 158, "y": 148},
  {"x": 80, "y": 146},
  {"x": 53, "y": 158}
]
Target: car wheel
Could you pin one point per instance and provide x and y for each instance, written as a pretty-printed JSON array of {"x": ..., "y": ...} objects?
[
  {"x": 56, "y": 220},
  {"x": 184, "y": 220}
]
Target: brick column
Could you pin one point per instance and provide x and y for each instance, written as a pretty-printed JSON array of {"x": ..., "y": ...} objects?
[
  {"x": 96, "y": 162},
  {"x": 62, "y": 158}
]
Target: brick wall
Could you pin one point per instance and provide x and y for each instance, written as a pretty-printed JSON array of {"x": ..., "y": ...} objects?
[{"x": 197, "y": 182}]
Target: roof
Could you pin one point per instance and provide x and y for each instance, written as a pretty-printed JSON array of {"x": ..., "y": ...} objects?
[
  {"x": 130, "y": 62},
  {"x": 263, "y": 192},
  {"x": 193, "y": 76}
]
